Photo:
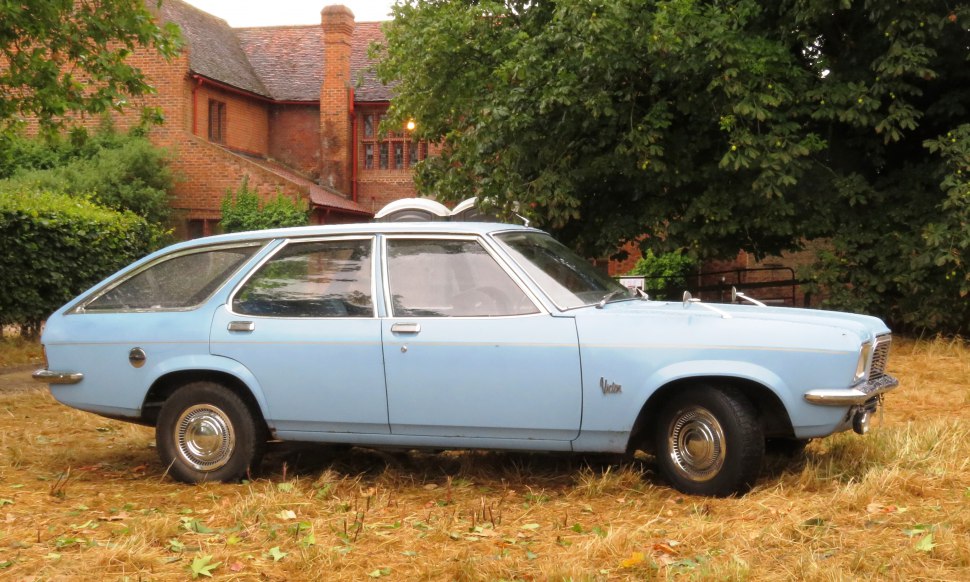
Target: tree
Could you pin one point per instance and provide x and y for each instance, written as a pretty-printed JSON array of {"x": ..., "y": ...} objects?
[
  {"x": 243, "y": 210},
  {"x": 710, "y": 127},
  {"x": 64, "y": 57}
]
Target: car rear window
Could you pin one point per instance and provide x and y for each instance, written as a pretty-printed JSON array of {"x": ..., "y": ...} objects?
[
  {"x": 330, "y": 278},
  {"x": 179, "y": 281}
]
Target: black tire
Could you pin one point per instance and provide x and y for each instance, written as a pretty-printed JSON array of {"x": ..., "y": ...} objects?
[
  {"x": 709, "y": 442},
  {"x": 205, "y": 432}
]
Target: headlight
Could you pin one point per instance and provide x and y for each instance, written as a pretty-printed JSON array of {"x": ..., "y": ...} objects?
[{"x": 862, "y": 366}]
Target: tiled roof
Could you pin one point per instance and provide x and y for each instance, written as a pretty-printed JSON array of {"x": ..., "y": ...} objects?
[
  {"x": 366, "y": 85},
  {"x": 214, "y": 49},
  {"x": 319, "y": 195},
  {"x": 284, "y": 63},
  {"x": 288, "y": 59}
]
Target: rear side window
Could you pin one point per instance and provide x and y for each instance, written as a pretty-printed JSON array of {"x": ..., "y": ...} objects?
[
  {"x": 312, "y": 279},
  {"x": 181, "y": 281}
]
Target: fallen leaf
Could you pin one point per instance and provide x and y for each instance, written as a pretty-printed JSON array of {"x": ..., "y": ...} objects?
[
  {"x": 925, "y": 544},
  {"x": 918, "y": 529},
  {"x": 203, "y": 566},
  {"x": 635, "y": 559},
  {"x": 276, "y": 554}
]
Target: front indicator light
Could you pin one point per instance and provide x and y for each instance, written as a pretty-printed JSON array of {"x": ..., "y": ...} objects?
[{"x": 862, "y": 366}]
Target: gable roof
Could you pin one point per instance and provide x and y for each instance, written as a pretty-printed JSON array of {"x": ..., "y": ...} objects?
[
  {"x": 288, "y": 59},
  {"x": 214, "y": 49},
  {"x": 283, "y": 63}
]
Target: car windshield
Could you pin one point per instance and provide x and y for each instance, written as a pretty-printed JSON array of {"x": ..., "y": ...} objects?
[{"x": 568, "y": 279}]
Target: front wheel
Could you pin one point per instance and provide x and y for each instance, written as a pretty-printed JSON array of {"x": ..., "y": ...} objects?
[
  {"x": 205, "y": 432},
  {"x": 709, "y": 442}
]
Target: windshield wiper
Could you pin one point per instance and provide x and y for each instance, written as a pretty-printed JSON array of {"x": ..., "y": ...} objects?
[{"x": 609, "y": 296}]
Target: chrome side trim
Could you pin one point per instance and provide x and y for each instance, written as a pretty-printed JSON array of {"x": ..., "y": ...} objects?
[
  {"x": 851, "y": 396},
  {"x": 52, "y": 377}
]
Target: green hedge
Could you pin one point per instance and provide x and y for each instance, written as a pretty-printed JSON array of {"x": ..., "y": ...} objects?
[{"x": 55, "y": 246}]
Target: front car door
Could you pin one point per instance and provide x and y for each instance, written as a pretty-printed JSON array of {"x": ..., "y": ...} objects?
[
  {"x": 469, "y": 353},
  {"x": 305, "y": 324}
]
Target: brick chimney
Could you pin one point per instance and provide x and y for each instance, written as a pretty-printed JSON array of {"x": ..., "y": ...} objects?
[{"x": 335, "y": 95}]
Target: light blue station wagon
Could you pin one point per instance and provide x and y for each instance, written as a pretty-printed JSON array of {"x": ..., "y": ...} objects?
[{"x": 449, "y": 335}]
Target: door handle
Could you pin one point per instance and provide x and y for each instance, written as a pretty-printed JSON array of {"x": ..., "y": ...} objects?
[
  {"x": 406, "y": 328},
  {"x": 241, "y": 326}
]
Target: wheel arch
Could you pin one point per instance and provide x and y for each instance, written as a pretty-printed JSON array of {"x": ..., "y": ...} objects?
[
  {"x": 771, "y": 411},
  {"x": 167, "y": 384}
]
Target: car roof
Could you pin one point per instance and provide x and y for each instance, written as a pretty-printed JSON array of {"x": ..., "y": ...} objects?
[{"x": 364, "y": 228}]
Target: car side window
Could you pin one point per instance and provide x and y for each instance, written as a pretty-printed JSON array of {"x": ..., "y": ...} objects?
[
  {"x": 177, "y": 282},
  {"x": 450, "y": 278},
  {"x": 311, "y": 279}
]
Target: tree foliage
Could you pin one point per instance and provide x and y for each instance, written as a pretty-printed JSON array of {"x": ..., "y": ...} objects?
[
  {"x": 117, "y": 171},
  {"x": 243, "y": 210},
  {"x": 712, "y": 127},
  {"x": 70, "y": 57}
]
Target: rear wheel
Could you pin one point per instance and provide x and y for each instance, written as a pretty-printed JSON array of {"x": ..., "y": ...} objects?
[
  {"x": 205, "y": 432},
  {"x": 709, "y": 442}
]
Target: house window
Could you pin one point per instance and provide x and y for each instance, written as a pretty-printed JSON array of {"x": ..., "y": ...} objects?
[
  {"x": 394, "y": 151},
  {"x": 217, "y": 121}
]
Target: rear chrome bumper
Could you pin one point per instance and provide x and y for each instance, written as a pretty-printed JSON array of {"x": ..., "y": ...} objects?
[
  {"x": 52, "y": 377},
  {"x": 852, "y": 396}
]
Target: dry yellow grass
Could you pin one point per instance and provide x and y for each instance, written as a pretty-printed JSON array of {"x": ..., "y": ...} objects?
[
  {"x": 85, "y": 497},
  {"x": 15, "y": 351}
]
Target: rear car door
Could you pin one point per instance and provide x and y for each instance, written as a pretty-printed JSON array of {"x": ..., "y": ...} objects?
[{"x": 305, "y": 324}]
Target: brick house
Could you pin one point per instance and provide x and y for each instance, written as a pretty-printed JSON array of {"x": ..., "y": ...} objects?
[{"x": 295, "y": 109}]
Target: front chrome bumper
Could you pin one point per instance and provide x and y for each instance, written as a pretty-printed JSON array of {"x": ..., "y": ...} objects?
[
  {"x": 52, "y": 377},
  {"x": 852, "y": 396}
]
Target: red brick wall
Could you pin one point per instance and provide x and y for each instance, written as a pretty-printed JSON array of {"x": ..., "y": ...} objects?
[
  {"x": 247, "y": 120},
  {"x": 374, "y": 192},
  {"x": 294, "y": 137},
  {"x": 208, "y": 171},
  {"x": 168, "y": 79},
  {"x": 619, "y": 267}
]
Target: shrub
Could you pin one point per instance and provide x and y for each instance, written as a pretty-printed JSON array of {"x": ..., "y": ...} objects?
[
  {"x": 121, "y": 172},
  {"x": 56, "y": 246},
  {"x": 243, "y": 211},
  {"x": 665, "y": 273}
]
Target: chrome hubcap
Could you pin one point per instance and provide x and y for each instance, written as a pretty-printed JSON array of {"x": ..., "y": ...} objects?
[
  {"x": 204, "y": 437},
  {"x": 696, "y": 444}
]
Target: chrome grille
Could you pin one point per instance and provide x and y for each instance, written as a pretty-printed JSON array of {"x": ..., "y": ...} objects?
[{"x": 880, "y": 357}]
